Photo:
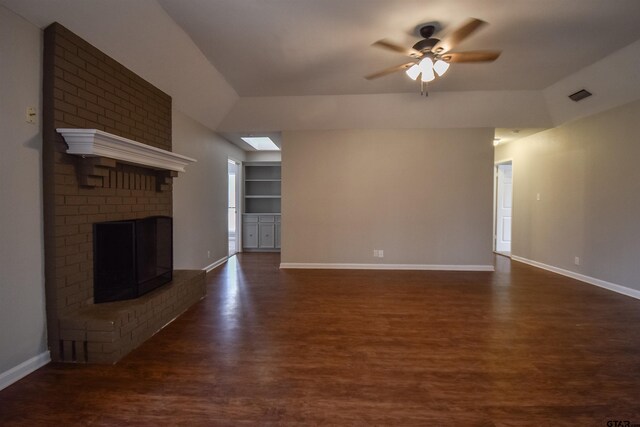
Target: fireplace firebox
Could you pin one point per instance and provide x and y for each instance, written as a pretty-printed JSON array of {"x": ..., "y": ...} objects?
[{"x": 131, "y": 257}]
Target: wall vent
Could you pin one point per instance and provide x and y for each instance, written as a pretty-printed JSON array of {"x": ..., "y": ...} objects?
[{"x": 580, "y": 95}]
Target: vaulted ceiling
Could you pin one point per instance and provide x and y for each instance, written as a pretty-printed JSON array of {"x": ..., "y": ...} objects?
[
  {"x": 249, "y": 66},
  {"x": 312, "y": 47}
]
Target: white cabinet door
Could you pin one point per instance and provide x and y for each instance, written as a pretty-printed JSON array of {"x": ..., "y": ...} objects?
[
  {"x": 267, "y": 239},
  {"x": 277, "y": 235},
  {"x": 250, "y": 235}
]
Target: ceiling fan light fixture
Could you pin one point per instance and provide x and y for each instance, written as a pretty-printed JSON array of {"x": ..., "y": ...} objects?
[
  {"x": 440, "y": 67},
  {"x": 413, "y": 72},
  {"x": 428, "y": 76},
  {"x": 426, "y": 66}
]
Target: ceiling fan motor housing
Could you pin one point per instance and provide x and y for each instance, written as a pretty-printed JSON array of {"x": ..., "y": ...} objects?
[
  {"x": 428, "y": 29},
  {"x": 425, "y": 45}
]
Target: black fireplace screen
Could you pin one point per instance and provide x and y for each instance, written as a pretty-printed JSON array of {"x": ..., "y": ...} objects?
[{"x": 131, "y": 257}]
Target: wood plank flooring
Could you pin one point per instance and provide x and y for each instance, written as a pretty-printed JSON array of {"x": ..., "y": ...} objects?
[{"x": 520, "y": 346}]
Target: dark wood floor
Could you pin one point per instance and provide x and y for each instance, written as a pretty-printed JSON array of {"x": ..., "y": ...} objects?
[{"x": 520, "y": 346}]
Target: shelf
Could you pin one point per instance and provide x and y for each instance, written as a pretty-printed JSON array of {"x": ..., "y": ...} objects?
[
  {"x": 262, "y": 213},
  {"x": 262, "y": 188},
  {"x": 262, "y": 204},
  {"x": 96, "y": 143},
  {"x": 266, "y": 172}
]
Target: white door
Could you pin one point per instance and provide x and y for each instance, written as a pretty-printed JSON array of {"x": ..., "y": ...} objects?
[
  {"x": 233, "y": 197},
  {"x": 503, "y": 208}
]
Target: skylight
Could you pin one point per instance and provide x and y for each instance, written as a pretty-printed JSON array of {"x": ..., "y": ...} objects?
[{"x": 261, "y": 143}]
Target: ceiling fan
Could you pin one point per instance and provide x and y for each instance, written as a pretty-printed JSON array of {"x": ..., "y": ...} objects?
[{"x": 431, "y": 56}]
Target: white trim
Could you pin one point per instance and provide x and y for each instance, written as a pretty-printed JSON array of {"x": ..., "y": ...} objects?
[
  {"x": 215, "y": 264},
  {"x": 239, "y": 205},
  {"x": 25, "y": 368},
  {"x": 502, "y": 162},
  {"x": 633, "y": 293},
  {"x": 495, "y": 199},
  {"x": 238, "y": 187},
  {"x": 96, "y": 143},
  {"x": 340, "y": 266}
]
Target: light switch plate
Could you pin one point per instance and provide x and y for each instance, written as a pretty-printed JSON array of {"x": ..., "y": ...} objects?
[{"x": 31, "y": 115}]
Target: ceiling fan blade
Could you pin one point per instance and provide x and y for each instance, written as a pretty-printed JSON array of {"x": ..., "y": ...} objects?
[
  {"x": 452, "y": 40},
  {"x": 472, "y": 56},
  {"x": 390, "y": 70},
  {"x": 389, "y": 45}
]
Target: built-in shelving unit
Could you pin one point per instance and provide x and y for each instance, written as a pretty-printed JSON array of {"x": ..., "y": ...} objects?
[
  {"x": 261, "y": 217},
  {"x": 262, "y": 187}
]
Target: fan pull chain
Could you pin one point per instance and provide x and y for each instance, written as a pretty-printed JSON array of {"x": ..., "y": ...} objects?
[{"x": 423, "y": 89}]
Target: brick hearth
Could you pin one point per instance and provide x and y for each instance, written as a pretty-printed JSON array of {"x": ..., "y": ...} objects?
[{"x": 104, "y": 333}]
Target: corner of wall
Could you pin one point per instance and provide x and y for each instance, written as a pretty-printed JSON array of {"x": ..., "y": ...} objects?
[{"x": 613, "y": 81}]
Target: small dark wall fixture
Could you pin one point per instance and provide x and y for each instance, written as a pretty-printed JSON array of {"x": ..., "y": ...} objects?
[{"x": 131, "y": 257}]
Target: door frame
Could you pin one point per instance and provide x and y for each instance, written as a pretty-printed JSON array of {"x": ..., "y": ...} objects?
[
  {"x": 495, "y": 201},
  {"x": 238, "y": 203}
]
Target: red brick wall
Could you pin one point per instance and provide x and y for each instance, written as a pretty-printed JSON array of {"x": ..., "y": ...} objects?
[{"x": 84, "y": 88}]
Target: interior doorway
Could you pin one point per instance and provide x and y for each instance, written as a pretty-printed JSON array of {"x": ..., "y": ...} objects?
[
  {"x": 503, "y": 208},
  {"x": 232, "y": 211}
]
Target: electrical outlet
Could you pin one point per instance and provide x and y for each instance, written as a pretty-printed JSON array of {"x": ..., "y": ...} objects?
[
  {"x": 208, "y": 254},
  {"x": 538, "y": 196},
  {"x": 381, "y": 253},
  {"x": 576, "y": 260},
  {"x": 375, "y": 253}
]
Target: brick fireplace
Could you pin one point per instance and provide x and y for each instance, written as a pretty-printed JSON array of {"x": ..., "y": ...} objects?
[{"x": 84, "y": 88}]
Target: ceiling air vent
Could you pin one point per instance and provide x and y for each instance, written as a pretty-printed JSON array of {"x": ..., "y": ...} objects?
[{"x": 580, "y": 95}]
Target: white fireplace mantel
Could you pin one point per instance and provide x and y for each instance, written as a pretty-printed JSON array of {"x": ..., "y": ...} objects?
[{"x": 96, "y": 143}]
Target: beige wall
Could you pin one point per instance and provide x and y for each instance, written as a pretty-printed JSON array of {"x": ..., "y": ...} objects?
[
  {"x": 473, "y": 109},
  {"x": 22, "y": 307},
  {"x": 200, "y": 194},
  {"x": 423, "y": 196},
  {"x": 587, "y": 175}
]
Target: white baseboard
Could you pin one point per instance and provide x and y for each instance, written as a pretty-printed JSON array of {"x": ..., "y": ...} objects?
[
  {"x": 587, "y": 279},
  {"x": 338, "y": 266},
  {"x": 213, "y": 265},
  {"x": 25, "y": 368}
]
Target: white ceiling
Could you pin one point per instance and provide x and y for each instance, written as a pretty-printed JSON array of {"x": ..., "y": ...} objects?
[{"x": 322, "y": 47}]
